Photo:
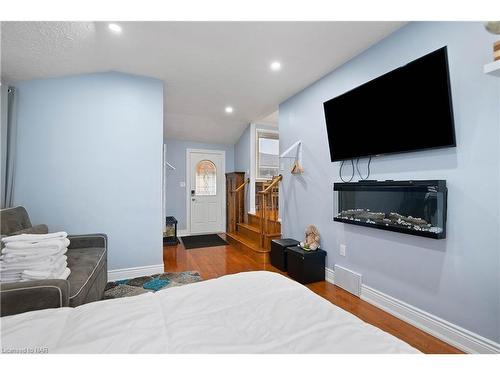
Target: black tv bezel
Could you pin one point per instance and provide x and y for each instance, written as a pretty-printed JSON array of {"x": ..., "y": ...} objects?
[{"x": 450, "y": 107}]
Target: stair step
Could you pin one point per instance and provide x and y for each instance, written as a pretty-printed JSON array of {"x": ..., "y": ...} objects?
[
  {"x": 257, "y": 217},
  {"x": 248, "y": 231},
  {"x": 254, "y": 220},
  {"x": 247, "y": 242},
  {"x": 273, "y": 235},
  {"x": 253, "y": 233},
  {"x": 250, "y": 227},
  {"x": 251, "y": 248}
]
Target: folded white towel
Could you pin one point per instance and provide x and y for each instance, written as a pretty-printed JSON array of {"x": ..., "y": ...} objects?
[
  {"x": 61, "y": 273},
  {"x": 9, "y": 273},
  {"x": 46, "y": 251},
  {"x": 46, "y": 264},
  {"x": 34, "y": 257},
  {"x": 23, "y": 267},
  {"x": 45, "y": 273},
  {"x": 10, "y": 279},
  {"x": 60, "y": 263},
  {"x": 64, "y": 275},
  {"x": 58, "y": 243},
  {"x": 34, "y": 237},
  {"x": 14, "y": 258}
]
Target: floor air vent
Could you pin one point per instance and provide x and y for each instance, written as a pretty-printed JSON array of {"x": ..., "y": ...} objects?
[{"x": 348, "y": 280}]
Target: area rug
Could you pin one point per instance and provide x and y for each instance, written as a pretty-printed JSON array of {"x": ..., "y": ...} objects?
[
  {"x": 204, "y": 240},
  {"x": 148, "y": 284}
]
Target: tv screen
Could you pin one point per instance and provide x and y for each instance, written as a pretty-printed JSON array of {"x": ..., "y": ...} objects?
[{"x": 407, "y": 109}]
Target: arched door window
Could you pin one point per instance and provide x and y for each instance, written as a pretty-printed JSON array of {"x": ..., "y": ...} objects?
[{"x": 206, "y": 178}]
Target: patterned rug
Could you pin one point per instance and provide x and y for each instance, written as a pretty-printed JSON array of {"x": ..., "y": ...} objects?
[{"x": 147, "y": 284}]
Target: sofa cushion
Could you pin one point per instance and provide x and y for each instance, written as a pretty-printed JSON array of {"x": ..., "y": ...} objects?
[
  {"x": 37, "y": 229},
  {"x": 14, "y": 219},
  {"x": 88, "y": 271},
  {"x": 20, "y": 297}
]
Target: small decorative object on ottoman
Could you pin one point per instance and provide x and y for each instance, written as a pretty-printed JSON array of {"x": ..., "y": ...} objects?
[
  {"x": 312, "y": 238},
  {"x": 305, "y": 266},
  {"x": 170, "y": 234},
  {"x": 278, "y": 254}
]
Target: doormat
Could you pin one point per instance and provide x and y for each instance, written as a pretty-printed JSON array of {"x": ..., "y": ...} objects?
[
  {"x": 145, "y": 284},
  {"x": 204, "y": 240}
]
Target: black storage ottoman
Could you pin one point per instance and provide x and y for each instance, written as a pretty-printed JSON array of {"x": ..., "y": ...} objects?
[
  {"x": 305, "y": 266},
  {"x": 278, "y": 254}
]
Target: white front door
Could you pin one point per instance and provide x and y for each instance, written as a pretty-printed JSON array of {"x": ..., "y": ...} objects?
[{"x": 206, "y": 190}]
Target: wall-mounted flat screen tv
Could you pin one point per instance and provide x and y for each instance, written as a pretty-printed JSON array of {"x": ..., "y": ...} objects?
[{"x": 407, "y": 109}]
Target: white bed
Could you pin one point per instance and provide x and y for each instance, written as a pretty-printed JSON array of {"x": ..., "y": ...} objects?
[{"x": 251, "y": 312}]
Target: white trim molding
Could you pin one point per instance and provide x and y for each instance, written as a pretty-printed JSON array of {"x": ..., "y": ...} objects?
[
  {"x": 329, "y": 275},
  {"x": 251, "y": 208},
  {"x": 127, "y": 273},
  {"x": 182, "y": 233},
  {"x": 450, "y": 333}
]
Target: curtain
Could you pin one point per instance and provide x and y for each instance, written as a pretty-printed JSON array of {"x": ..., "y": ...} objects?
[{"x": 9, "y": 133}]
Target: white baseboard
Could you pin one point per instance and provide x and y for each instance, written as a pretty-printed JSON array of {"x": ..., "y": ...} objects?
[
  {"x": 128, "y": 273},
  {"x": 182, "y": 233},
  {"x": 329, "y": 275},
  {"x": 454, "y": 335}
]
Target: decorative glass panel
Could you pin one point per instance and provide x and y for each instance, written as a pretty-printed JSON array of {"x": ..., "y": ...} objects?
[{"x": 206, "y": 178}]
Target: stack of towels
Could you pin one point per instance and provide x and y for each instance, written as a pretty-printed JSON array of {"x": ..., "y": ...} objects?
[{"x": 28, "y": 257}]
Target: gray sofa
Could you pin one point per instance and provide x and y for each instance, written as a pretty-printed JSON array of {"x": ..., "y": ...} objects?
[{"x": 87, "y": 260}]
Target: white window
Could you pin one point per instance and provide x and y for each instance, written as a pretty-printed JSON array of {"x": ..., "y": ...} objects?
[{"x": 268, "y": 148}]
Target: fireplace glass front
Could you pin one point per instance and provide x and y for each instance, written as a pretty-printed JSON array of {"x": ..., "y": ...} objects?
[{"x": 412, "y": 207}]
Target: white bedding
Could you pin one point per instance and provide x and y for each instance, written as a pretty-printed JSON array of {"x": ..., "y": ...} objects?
[{"x": 251, "y": 312}]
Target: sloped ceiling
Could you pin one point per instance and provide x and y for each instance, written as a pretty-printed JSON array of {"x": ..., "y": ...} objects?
[{"x": 206, "y": 66}]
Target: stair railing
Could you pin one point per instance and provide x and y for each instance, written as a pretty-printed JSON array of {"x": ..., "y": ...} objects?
[
  {"x": 238, "y": 205},
  {"x": 267, "y": 196}
]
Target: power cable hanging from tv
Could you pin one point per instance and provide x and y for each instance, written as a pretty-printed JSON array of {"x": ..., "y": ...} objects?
[
  {"x": 340, "y": 171},
  {"x": 359, "y": 173}
]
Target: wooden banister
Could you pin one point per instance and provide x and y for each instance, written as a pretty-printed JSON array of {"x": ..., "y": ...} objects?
[
  {"x": 264, "y": 219},
  {"x": 275, "y": 181},
  {"x": 235, "y": 194},
  {"x": 242, "y": 186}
]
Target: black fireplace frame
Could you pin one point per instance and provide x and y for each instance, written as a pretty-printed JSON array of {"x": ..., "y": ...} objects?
[{"x": 391, "y": 185}]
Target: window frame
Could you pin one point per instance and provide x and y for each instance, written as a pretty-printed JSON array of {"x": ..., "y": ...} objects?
[{"x": 263, "y": 133}]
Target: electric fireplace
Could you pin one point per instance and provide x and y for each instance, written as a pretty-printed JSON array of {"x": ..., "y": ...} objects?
[{"x": 411, "y": 207}]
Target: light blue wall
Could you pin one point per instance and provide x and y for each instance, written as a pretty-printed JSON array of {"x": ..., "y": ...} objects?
[
  {"x": 456, "y": 279},
  {"x": 242, "y": 152},
  {"x": 176, "y": 155},
  {"x": 242, "y": 160},
  {"x": 89, "y": 159}
]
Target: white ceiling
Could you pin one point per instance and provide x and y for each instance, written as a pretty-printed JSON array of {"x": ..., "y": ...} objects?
[{"x": 206, "y": 66}]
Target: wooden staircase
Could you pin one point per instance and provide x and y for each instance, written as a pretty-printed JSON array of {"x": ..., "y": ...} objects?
[{"x": 253, "y": 233}]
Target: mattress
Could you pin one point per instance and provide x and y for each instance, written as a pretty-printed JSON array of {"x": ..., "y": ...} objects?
[{"x": 249, "y": 312}]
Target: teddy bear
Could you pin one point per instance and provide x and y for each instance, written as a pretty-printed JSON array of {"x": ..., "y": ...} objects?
[{"x": 312, "y": 238}]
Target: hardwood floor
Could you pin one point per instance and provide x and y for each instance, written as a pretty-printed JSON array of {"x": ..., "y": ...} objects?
[{"x": 212, "y": 262}]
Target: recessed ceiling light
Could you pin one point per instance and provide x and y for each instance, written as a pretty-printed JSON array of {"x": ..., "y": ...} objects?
[
  {"x": 229, "y": 109},
  {"x": 117, "y": 29},
  {"x": 275, "y": 66}
]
